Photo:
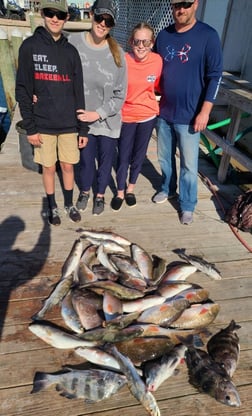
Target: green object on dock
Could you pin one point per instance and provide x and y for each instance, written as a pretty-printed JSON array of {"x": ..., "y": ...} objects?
[{"x": 214, "y": 151}]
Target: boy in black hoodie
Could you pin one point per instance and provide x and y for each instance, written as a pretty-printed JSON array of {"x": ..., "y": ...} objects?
[{"x": 49, "y": 90}]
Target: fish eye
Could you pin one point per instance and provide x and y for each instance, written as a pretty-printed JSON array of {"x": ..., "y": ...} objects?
[{"x": 228, "y": 398}]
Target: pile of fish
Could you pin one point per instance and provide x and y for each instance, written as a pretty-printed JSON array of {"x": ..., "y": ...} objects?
[{"x": 135, "y": 318}]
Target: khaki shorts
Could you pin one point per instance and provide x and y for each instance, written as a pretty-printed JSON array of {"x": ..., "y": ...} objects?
[{"x": 62, "y": 147}]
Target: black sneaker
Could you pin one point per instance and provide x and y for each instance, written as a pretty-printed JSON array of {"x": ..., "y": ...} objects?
[
  {"x": 130, "y": 199},
  {"x": 53, "y": 216},
  {"x": 98, "y": 207},
  {"x": 73, "y": 214},
  {"x": 116, "y": 203},
  {"x": 82, "y": 201}
]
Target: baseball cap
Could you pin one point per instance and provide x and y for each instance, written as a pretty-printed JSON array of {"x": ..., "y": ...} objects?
[
  {"x": 105, "y": 7},
  {"x": 54, "y": 4},
  {"x": 181, "y": 1}
]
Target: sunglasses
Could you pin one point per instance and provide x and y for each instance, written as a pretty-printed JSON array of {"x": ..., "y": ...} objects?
[
  {"x": 51, "y": 13},
  {"x": 183, "y": 4},
  {"x": 109, "y": 21},
  {"x": 146, "y": 42}
]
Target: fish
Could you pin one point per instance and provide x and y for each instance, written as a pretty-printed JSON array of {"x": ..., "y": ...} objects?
[
  {"x": 69, "y": 314},
  {"x": 58, "y": 338},
  {"x": 199, "y": 315},
  {"x": 207, "y": 268},
  {"x": 209, "y": 377},
  {"x": 116, "y": 289},
  {"x": 104, "y": 259},
  {"x": 72, "y": 261},
  {"x": 178, "y": 272},
  {"x": 135, "y": 384},
  {"x": 195, "y": 294},
  {"x": 88, "y": 255},
  {"x": 224, "y": 348},
  {"x": 159, "y": 370},
  {"x": 87, "y": 309},
  {"x": 85, "y": 274},
  {"x": 99, "y": 357},
  {"x": 55, "y": 297},
  {"x": 103, "y": 273},
  {"x": 112, "y": 334},
  {"x": 165, "y": 313},
  {"x": 92, "y": 385},
  {"x": 159, "y": 267},
  {"x": 139, "y": 305},
  {"x": 104, "y": 235},
  {"x": 123, "y": 320},
  {"x": 143, "y": 260},
  {"x": 112, "y": 306},
  {"x": 141, "y": 349},
  {"x": 109, "y": 245},
  {"x": 125, "y": 264},
  {"x": 172, "y": 288}
]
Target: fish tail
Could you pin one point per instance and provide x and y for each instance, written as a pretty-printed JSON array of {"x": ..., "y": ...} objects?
[
  {"x": 40, "y": 382},
  {"x": 233, "y": 326}
]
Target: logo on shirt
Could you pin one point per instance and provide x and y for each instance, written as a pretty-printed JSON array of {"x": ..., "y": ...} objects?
[
  {"x": 151, "y": 78},
  {"x": 182, "y": 54}
]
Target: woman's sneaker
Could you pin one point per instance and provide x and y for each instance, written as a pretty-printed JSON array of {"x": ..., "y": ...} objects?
[
  {"x": 73, "y": 214},
  {"x": 98, "y": 207},
  {"x": 82, "y": 201},
  {"x": 53, "y": 216}
]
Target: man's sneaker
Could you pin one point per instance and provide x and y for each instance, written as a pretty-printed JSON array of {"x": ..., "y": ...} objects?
[
  {"x": 53, "y": 216},
  {"x": 160, "y": 198},
  {"x": 186, "y": 217},
  {"x": 98, "y": 207},
  {"x": 82, "y": 201},
  {"x": 73, "y": 214}
]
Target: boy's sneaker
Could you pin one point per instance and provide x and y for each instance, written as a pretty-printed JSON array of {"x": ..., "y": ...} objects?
[
  {"x": 98, "y": 207},
  {"x": 82, "y": 201},
  {"x": 73, "y": 214},
  {"x": 53, "y": 216},
  {"x": 186, "y": 217}
]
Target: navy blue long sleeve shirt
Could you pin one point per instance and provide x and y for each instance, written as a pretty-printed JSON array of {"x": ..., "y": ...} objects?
[{"x": 192, "y": 71}]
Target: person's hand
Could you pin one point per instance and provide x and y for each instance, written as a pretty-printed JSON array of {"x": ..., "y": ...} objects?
[
  {"x": 201, "y": 122},
  {"x": 35, "y": 139},
  {"x": 87, "y": 116},
  {"x": 83, "y": 141}
]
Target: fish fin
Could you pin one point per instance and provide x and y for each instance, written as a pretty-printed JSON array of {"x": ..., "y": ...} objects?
[
  {"x": 89, "y": 401},
  {"x": 66, "y": 394},
  {"x": 192, "y": 340},
  {"x": 40, "y": 382}
]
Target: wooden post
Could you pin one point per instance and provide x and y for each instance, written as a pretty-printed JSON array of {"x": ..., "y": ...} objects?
[
  {"x": 7, "y": 72},
  {"x": 16, "y": 40},
  {"x": 231, "y": 134}
]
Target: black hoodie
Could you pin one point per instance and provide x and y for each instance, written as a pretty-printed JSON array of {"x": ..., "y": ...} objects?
[{"x": 53, "y": 72}]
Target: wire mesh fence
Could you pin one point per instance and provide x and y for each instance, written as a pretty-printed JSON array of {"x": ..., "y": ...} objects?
[{"x": 157, "y": 13}]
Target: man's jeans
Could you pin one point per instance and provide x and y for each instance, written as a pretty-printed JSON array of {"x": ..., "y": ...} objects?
[{"x": 182, "y": 136}]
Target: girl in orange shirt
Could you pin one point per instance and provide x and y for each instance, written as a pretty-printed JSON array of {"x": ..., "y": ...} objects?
[{"x": 139, "y": 112}]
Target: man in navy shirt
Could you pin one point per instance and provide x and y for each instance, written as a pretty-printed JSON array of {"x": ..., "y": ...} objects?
[{"x": 192, "y": 70}]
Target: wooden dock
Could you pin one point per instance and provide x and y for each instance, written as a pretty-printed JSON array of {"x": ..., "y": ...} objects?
[{"x": 32, "y": 254}]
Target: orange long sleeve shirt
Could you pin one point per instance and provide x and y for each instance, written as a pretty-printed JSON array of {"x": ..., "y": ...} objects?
[{"x": 143, "y": 78}]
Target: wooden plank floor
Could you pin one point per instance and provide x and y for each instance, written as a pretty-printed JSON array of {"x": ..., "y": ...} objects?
[{"x": 32, "y": 254}]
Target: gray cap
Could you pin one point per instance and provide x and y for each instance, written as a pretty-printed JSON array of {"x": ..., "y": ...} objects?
[
  {"x": 105, "y": 7},
  {"x": 60, "y": 5}
]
